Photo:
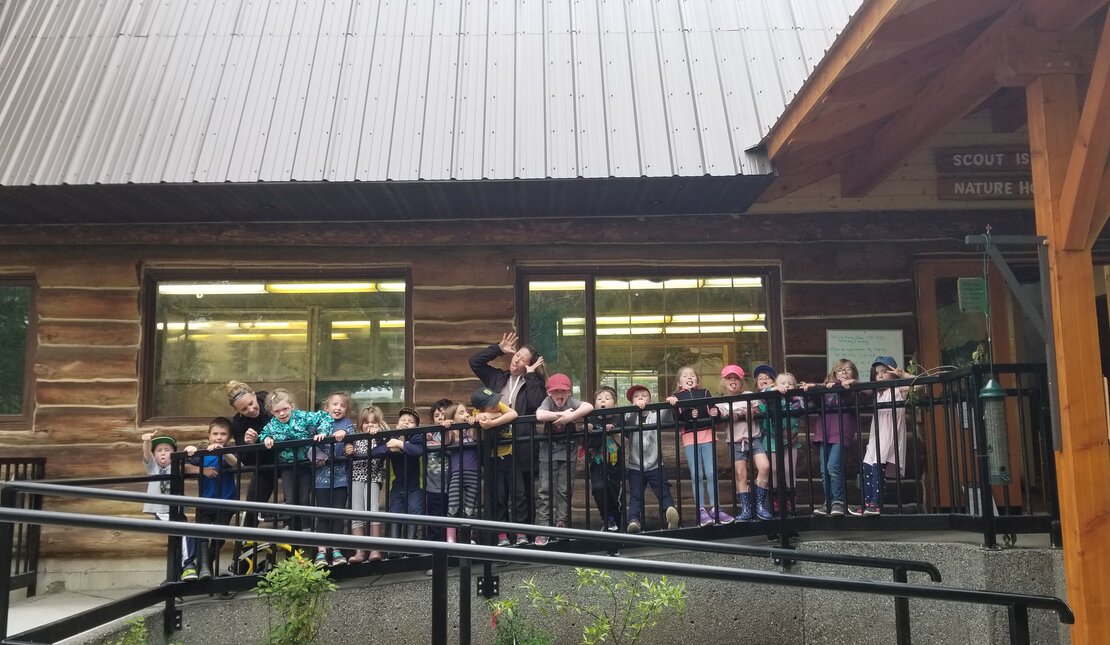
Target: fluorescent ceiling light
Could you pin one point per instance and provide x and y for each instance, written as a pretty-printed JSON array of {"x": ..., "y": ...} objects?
[
  {"x": 391, "y": 324},
  {"x": 391, "y": 286},
  {"x": 321, "y": 287},
  {"x": 557, "y": 285},
  {"x": 210, "y": 288},
  {"x": 351, "y": 324},
  {"x": 339, "y": 335}
]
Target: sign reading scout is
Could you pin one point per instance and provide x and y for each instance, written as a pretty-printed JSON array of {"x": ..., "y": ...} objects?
[{"x": 997, "y": 173}]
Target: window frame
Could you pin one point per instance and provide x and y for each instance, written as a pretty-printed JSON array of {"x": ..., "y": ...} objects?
[
  {"x": 148, "y": 308},
  {"x": 24, "y": 419},
  {"x": 771, "y": 274}
]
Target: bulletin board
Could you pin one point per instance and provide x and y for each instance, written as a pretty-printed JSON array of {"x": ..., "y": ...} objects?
[{"x": 861, "y": 346}]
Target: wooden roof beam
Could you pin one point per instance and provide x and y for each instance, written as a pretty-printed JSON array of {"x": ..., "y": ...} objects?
[
  {"x": 855, "y": 38},
  {"x": 1063, "y": 15},
  {"x": 1089, "y": 154},
  {"x": 1102, "y": 209},
  {"x": 936, "y": 20},
  {"x": 1006, "y": 54}
]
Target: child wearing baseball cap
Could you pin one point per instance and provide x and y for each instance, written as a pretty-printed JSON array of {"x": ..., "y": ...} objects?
[
  {"x": 403, "y": 453},
  {"x": 645, "y": 464},
  {"x": 747, "y": 447},
  {"x": 558, "y": 451},
  {"x": 157, "y": 450}
]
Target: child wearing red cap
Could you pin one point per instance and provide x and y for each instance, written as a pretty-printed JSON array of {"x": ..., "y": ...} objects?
[{"x": 558, "y": 453}]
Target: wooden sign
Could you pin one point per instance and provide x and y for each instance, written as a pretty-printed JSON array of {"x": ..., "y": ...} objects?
[
  {"x": 994, "y": 160},
  {"x": 985, "y": 187}
]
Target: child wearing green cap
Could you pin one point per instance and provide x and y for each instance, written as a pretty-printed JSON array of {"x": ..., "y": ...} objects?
[{"x": 157, "y": 451}]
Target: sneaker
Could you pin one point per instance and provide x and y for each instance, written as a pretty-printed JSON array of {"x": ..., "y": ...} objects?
[
  {"x": 337, "y": 559},
  {"x": 837, "y": 509},
  {"x": 503, "y": 540},
  {"x": 634, "y": 525},
  {"x": 541, "y": 540},
  {"x": 722, "y": 517},
  {"x": 871, "y": 511},
  {"x": 704, "y": 519},
  {"x": 821, "y": 511},
  {"x": 611, "y": 524},
  {"x": 672, "y": 518},
  {"x": 855, "y": 511},
  {"x": 189, "y": 573},
  {"x": 321, "y": 558},
  {"x": 521, "y": 539}
]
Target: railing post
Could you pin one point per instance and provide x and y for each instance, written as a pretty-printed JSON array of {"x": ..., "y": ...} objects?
[
  {"x": 464, "y": 589},
  {"x": 171, "y": 615},
  {"x": 1019, "y": 624},
  {"x": 439, "y": 597},
  {"x": 901, "y": 610},
  {"x": 7, "y": 542}
]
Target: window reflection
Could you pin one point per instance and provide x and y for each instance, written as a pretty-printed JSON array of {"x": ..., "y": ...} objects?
[{"x": 309, "y": 337}]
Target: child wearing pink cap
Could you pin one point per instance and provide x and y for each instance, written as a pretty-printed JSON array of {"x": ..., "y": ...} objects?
[
  {"x": 747, "y": 446},
  {"x": 558, "y": 453}
]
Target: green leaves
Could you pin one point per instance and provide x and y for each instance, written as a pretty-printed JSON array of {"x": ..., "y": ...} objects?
[
  {"x": 627, "y": 606},
  {"x": 295, "y": 590}
]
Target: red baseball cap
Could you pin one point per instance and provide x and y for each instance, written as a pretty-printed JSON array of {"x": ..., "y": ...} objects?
[
  {"x": 732, "y": 370},
  {"x": 558, "y": 382},
  {"x": 632, "y": 390}
]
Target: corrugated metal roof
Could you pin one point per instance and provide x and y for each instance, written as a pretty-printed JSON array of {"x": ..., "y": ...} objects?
[{"x": 145, "y": 91}]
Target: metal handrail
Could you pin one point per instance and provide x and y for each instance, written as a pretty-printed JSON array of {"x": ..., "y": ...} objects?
[
  {"x": 1017, "y": 604},
  {"x": 893, "y": 564}
]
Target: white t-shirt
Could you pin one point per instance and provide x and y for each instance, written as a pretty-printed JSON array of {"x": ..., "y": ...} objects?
[{"x": 157, "y": 488}]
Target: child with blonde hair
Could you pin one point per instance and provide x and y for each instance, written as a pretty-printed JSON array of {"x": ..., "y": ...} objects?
[
  {"x": 887, "y": 443},
  {"x": 785, "y": 438},
  {"x": 463, "y": 476},
  {"x": 696, "y": 421},
  {"x": 747, "y": 446},
  {"x": 331, "y": 472},
  {"x": 367, "y": 477},
  {"x": 290, "y": 424}
]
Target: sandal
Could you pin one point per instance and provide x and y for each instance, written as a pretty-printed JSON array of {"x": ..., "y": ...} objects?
[{"x": 358, "y": 558}]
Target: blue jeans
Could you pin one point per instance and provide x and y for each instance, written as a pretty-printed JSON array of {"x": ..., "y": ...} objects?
[
  {"x": 703, "y": 460},
  {"x": 638, "y": 480},
  {"x": 832, "y": 471}
]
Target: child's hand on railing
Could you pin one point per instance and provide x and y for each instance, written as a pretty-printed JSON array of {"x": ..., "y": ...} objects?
[
  {"x": 268, "y": 442},
  {"x": 340, "y": 435},
  {"x": 191, "y": 450},
  {"x": 349, "y": 449},
  {"x": 672, "y": 399},
  {"x": 320, "y": 437}
]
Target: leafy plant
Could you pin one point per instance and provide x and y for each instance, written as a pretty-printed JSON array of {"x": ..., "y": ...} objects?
[
  {"x": 136, "y": 633},
  {"x": 628, "y": 607},
  {"x": 296, "y": 590},
  {"x": 513, "y": 628}
]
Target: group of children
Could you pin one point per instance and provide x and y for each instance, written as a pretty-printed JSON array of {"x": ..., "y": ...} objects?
[{"x": 441, "y": 467}]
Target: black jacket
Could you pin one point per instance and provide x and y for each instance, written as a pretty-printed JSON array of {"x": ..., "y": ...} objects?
[
  {"x": 528, "y": 398},
  {"x": 240, "y": 424}
]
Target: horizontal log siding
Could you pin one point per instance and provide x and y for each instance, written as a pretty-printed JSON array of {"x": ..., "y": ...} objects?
[{"x": 838, "y": 271}]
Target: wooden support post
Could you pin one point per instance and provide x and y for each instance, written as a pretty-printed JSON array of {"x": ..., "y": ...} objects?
[{"x": 1083, "y": 461}]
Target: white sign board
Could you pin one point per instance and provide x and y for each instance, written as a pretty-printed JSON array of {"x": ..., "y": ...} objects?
[{"x": 861, "y": 346}]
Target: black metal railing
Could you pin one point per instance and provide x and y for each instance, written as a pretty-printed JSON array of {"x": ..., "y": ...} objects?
[
  {"x": 1017, "y": 605},
  {"x": 25, "y": 537}
]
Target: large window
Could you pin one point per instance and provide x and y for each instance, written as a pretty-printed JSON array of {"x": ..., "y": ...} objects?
[
  {"x": 620, "y": 330},
  {"x": 312, "y": 337},
  {"x": 15, "y": 323}
]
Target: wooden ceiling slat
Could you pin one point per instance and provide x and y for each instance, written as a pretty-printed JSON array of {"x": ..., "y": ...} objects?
[{"x": 1062, "y": 15}]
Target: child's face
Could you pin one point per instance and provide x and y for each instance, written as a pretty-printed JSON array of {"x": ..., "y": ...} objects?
[
  {"x": 439, "y": 415},
  {"x": 282, "y": 411},
  {"x": 605, "y": 399},
  {"x": 884, "y": 373},
  {"x": 641, "y": 397},
  {"x": 162, "y": 454},
  {"x": 406, "y": 421},
  {"x": 733, "y": 384},
  {"x": 370, "y": 425},
  {"x": 787, "y": 381},
  {"x": 687, "y": 379},
  {"x": 845, "y": 371},
  {"x": 559, "y": 396},
  {"x": 462, "y": 415},
  {"x": 764, "y": 381},
  {"x": 219, "y": 435},
  {"x": 247, "y": 406},
  {"x": 336, "y": 407}
]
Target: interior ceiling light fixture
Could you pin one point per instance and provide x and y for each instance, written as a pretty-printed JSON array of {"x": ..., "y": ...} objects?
[{"x": 210, "y": 288}]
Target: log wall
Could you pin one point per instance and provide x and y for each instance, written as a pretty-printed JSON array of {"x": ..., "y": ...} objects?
[{"x": 837, "y": 271}]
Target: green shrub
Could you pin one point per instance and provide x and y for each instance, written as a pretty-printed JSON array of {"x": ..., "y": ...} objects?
[{"x": 295, "y": 590}]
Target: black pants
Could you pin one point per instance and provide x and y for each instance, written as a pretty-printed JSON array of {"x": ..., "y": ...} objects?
[
  {"x": 605, "y": 484},
  {"x": 330, "y": 498},
  {"x": 261, "y": 489},
  {"x": 435, "y": 504},
  {"x": 210, "y": 516},
  {"x": 514, "y": 492},
  {"x": 296, "y": 486}
]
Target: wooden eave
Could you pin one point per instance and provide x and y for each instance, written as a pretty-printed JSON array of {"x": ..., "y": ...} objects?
[{"x": 902, "y": 70}]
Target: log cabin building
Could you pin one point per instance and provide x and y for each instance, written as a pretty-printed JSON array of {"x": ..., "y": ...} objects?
[{"x": 360, "y": 196}]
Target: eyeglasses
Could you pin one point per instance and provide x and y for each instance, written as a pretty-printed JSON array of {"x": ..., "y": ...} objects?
[{"x": 843, "y": 370}]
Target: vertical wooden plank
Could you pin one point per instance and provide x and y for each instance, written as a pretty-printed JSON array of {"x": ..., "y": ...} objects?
[{"x": 1083, "y": 470}]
